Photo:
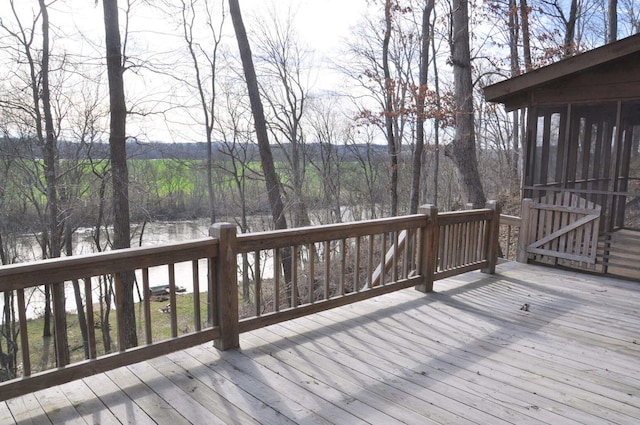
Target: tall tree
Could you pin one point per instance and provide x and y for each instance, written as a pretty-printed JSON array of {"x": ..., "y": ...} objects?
[
  {"x": 383, "y": 62},
  {"x": 566, "y": 21},
  {"x": 420, "y": 110},
  {"x": 570, "y": 25},
  {"x": 515, "y": 70},
  {"x": 40, "y": 128},
  {"x": 50, "y": 159},
  {"x": 526, "y": 37},
  {"x": 272, "y": 180},
  {"x": 392, "y": 143},
  {"x": 119, "y": 171},
  {"x": 205, "y": 79},
  {"x": 612, "y": 19},
  {"x": 285, "y": 79},
  {"x": 328, "y": 133},
  {"x": 462, "y": 150}
]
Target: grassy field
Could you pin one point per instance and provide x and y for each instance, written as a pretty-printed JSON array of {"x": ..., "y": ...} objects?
[{"x": 42, "y": 350}]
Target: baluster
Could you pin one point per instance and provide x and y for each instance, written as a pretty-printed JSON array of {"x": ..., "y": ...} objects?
[
  {"x": 327, "y": 269},
  {"x": 172, "y": 300},
  {"x": 356, "y": 273},
  {"x": 312, "y": 271},
  {"x": 276, "y": 279},
  {"x": 147, "y": 306},
  {"x": 91, "y": 328},
  {"x": 195, "y": 272},
  {"x": 24, "y": 335}
]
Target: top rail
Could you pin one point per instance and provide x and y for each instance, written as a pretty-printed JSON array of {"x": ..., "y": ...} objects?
[
  {"x": 510, "y": 220},
  {"x": 282, "y": 238},
  {"x": 24, "y": 275}
]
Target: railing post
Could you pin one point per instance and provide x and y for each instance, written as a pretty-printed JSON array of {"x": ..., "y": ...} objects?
[
  {"x": 428, "y": 255},
  {"x": 523, "y": 234},
  {"x": 226, "y": 286},
  {"x": 493, "y": 237}
]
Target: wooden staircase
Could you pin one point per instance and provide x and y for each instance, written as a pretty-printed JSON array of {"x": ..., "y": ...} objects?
[{"x": 619, "y": 253}]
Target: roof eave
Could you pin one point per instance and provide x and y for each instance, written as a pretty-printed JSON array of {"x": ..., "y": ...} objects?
[{"x": 516, "y": 86}]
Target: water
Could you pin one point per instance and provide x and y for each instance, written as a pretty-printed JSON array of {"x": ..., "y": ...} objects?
[{"x": 156, "y": 233}]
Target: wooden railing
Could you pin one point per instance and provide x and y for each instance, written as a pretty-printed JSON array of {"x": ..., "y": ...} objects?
[
  {"x": 509, "y": 235},
  {"x": 283, "y": 275},
  {"x": 96, "y": 272}
]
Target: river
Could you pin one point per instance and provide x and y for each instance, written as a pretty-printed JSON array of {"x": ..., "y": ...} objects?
[{"x": 155, "y": 233}]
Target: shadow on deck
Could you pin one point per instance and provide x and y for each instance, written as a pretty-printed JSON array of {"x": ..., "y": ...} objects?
[{"x": 468, "y": 353}]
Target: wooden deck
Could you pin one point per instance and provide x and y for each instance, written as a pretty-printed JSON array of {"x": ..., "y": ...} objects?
[{"x": 467, "y": 354}]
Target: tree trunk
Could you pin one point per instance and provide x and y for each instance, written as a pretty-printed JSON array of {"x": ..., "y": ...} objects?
[
  {"x": 570, "y": 34},
  {"x": 272, "y": 180},
  {"x": 436, "y": 124},
  {"x": 526, "y": 39},
  {"x": 514, "y": 154},
  {"x": 119, "y": 171},
  {"x": 612, "y": 17},
  {"x": 208, "y": 107},
  {"x": 389, "y": 110},
  {"x": 49, "y": 153},
  {"x": 82, "y": 318},
  {"x": 462, "y": 150},
  {"x": 421, "y": 118}
]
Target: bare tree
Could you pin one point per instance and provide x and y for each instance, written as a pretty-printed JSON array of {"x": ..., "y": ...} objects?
[
  {"x": 392, "y": 143},
  {"x": 526, "y": 37},
  {"x": 629, "y": 17},
  {"x": 285, "y": 86},
  {"x": 328, "y": 134},
  {"x": 574, "y": 25},
  {"x": 119, "y": 170},
  {"x": 40, "y": 117},
  {"x": 272, "y": 181},
  {"x": 363, "y": 184},
  {"x": 382, "y": 61},
  {"x": 236, "y": 138},
  {"x": 205, "y": 83},
  {"x": 612, "y": 21},
  {"x": 462, "y": 150},
  {"x": 421, "y": 97}
]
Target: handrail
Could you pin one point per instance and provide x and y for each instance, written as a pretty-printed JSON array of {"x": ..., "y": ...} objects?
[
  {"x": 510, "y": 220},
  {"x": 281, "y": 238},
  {"x": 24, "y": 275},
  {"x": 510, "y": 235},
  {"x": 311, "y": 269}
]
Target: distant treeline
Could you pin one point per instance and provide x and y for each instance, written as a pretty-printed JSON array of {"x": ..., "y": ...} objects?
[{"x": 161, "y": 150}]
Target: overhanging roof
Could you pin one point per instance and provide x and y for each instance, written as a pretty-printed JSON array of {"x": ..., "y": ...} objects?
[{"x": 615, "y": 63}]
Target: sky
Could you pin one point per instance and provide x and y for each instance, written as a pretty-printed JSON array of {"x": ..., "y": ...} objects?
[{"x": 322, "y": 25}]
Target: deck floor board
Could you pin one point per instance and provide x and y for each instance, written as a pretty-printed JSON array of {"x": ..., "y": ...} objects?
[{"x": 465, "y": 354}]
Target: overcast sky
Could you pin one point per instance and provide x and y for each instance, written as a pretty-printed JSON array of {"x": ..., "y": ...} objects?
[{"x": 322, "y": 25}]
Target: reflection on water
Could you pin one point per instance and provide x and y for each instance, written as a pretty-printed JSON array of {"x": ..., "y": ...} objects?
[{"x": 156, "y": 233}]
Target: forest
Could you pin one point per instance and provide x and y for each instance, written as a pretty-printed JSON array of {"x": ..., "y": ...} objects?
[
  {"x": 116, "y": 113},
  {"x": 388, "y": 134}
]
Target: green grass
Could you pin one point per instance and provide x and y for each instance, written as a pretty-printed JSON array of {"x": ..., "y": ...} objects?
[{"x": 42, "y": 349}]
